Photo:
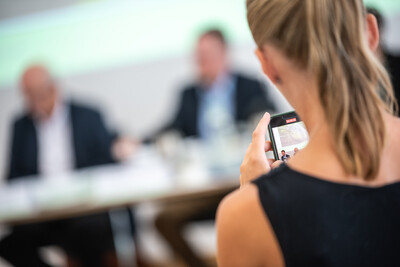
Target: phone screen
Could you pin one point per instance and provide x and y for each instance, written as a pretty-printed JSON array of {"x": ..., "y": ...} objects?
[{"x": 288, "y": 135}]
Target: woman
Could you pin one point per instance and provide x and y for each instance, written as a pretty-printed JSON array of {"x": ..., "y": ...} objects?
[{"x": 337, "y": 203}]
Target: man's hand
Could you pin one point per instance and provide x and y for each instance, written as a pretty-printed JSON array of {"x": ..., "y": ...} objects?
[
  {"x": 255, "y": 162},
  {"x": 123, "y": 148}
]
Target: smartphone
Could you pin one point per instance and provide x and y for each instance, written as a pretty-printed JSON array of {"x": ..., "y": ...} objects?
[{"x": 288, "y": 135}]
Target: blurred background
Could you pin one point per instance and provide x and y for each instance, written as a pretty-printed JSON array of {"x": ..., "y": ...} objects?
[
  {"x": 131, "y": 59},
  {"x": 126, "y": 56}
]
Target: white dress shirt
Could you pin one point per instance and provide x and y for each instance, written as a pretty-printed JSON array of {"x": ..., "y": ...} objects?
[
  {"x": 217, "y": 106},
  {"x": 54, "y": 135}
]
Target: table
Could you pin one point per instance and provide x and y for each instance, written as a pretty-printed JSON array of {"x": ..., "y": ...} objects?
[{"x": 145, "y": 178}]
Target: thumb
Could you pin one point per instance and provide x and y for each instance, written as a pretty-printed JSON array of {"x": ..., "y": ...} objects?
[{"x": 261, "y": 130}]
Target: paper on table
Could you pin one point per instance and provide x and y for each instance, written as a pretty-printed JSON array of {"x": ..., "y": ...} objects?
[
  {"x": 65, "y": 191},
  {"x": 138, "y": 181}
]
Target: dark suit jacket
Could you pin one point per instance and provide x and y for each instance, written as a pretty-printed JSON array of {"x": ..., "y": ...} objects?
[
  {"x": 90, "y": 139},
  {"x": 250, "y": 98}
]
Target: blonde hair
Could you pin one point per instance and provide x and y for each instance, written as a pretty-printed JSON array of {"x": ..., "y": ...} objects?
[{"x": 328, "y": 37}]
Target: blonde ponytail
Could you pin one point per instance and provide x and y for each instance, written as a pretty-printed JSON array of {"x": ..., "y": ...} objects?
[{"x": 328, "y": 38}]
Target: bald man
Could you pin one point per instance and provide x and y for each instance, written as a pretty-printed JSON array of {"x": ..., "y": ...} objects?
[{"x": 52, "y": 137}]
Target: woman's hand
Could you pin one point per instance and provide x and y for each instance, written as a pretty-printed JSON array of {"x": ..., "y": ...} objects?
[{"x": 255, "y": 162}]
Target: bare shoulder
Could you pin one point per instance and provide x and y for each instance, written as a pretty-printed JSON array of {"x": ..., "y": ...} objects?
[{"x": 245, "y": 236}]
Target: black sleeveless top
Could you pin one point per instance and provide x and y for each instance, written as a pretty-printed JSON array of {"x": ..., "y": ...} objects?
[{"x": 321, "y": 223}]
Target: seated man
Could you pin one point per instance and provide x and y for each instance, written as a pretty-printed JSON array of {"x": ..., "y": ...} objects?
[
  {"x": 217, "y": 87},
  {"x": 56, "y": 136},
  {"x": 218, "y": 99},
  {"x": 284, "y": 156}
]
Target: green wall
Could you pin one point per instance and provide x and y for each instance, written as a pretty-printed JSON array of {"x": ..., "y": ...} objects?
[{"x": 106, "y": 33}]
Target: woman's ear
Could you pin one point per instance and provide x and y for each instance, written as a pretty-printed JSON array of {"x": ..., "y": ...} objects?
[
  {"x": 268, "y": 67},
  {"x": 373, "y": 32}
]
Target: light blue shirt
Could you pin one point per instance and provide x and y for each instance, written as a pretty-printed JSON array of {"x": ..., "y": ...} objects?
[{"x": 217, "y": 106}]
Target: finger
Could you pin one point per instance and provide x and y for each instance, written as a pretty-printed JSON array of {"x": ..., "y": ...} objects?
[
  {"x": 271, "y": 161},
  {"x": 268, "y": 146},
  {"x": 261, "y": 130},
  {"x": 276, "y": 164}
]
